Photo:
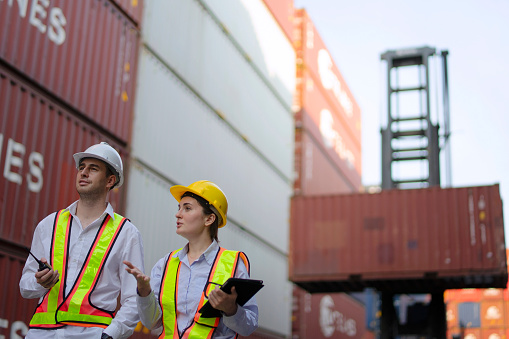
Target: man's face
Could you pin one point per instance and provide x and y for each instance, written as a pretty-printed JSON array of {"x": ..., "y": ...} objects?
[{"x": 92, "y": 179}]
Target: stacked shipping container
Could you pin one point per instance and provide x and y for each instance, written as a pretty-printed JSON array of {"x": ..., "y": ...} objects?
[
  {"x": 323, "y": 159},
  {"x": 391, "y": 241},
  {"x": 215, "y": 85},
  {"x": 478, "y": 313},
  {"x": 328, "y": 125},
  {"x": 215, "y": 88},
  {"x": 321, "y": 316},
  {"x": 67, "y": 75}
]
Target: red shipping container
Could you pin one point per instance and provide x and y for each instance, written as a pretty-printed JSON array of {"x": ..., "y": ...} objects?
[
  {"x": 37, "y": 140},
  {"x": 15, "y": 312},
  {"x": 317, "y": 172},
  {"x": 283, "y": 12},
  {"x": 492, "y": 314},
  {"x": 321, "y": 119},
  {"x": 336, "y": 315},
  {"x": 83, "y": 52},
  {"x": 407, "y": 241},
  {"x": 133, "y": 9},
  {"x": 313, "y": 57}
]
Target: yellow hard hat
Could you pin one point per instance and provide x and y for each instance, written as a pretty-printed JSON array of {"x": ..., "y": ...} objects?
[{"x": 208, "y": 191}]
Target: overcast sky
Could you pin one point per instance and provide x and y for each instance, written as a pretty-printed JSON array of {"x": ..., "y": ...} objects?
[{"x": 476, "y": 34}]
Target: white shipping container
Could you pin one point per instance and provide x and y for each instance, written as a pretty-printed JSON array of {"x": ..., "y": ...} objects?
[
  {"x": 271, "y": 266},
  {"x": 254, "y": 28},
  {"x": 190, "y": 41},
  {"x": 152, "y": 209},
  {"x": 181, "y": 138}
]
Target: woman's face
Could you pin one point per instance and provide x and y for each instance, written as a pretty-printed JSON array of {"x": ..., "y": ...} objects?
[{"x": 191, "y": 221}]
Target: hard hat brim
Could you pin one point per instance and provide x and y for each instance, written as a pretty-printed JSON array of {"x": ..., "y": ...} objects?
[{"x": 178, "y": 190}]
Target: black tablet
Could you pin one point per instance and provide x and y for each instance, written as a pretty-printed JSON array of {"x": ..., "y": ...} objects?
[{"x": 246, "y": 289}]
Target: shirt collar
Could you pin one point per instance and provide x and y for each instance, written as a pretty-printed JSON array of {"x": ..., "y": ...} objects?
[
  {"x": 109, "y": 209},
  {"x": 209, "y": 254}
]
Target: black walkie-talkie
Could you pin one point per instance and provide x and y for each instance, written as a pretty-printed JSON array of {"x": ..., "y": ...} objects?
[{"x": 42, "y": 265}]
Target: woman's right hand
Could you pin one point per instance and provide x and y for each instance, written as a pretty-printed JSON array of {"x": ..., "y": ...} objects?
[{"x": 143, "y": 280}]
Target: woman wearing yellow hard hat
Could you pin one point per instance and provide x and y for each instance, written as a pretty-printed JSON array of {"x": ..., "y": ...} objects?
[{"x": 185, "y": 279}]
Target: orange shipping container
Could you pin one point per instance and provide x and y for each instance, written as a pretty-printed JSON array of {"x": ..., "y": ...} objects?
[
  {"x": 492, "y": 293},
  {"x": 452, "y": 314},
  {"x": 493, "y": 333},
  {"x": 492, "y": 314},
  {"x": 464, "y": 333},
  {"x": 411, "y": 241},
  {"x": 462, "y": 295}
]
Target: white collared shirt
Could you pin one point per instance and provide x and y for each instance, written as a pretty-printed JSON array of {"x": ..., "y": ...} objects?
[
  {"x": 192, "y": 279},
  {"x": 114, "y": 279}
]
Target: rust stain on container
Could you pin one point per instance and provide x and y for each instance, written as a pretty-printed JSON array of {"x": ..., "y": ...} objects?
[
  {"x": 82, "y": 52},
  {"x": 37, "y": 172},
  {"x": 402, "y": 240}
]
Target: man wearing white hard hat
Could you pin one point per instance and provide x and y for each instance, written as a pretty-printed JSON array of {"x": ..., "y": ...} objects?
[{"x": 83, "y": 247}]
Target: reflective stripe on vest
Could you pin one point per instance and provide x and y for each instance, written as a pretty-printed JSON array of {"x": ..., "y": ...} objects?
[
  {"x": 224, "y": 267},
  {"x": 76, "y": 309}
]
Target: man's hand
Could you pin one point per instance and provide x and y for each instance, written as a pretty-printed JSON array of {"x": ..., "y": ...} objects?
[
  {"x": 143, "y": 280},
  {"x": 47, "y": 278},
  {"x": 223, "y": 301}
]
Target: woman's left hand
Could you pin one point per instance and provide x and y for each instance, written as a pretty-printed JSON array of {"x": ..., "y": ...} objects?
[{"x": 223, "y": 301}]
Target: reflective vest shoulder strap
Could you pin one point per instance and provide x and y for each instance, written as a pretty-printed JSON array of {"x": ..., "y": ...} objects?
[
  {"x": 224, "y": 266},
  {"x": 168, "y": 296},
  {"x": 76, "y": 308}
]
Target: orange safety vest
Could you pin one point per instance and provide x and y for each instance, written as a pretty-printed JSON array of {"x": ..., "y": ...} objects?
[
  {"x": 57, "y": 310},
  {"x": 224, "y": 267}
]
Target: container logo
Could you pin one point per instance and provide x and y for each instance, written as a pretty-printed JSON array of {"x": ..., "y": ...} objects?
[
  {"x": 493, "y": 313},
  {"x": 331, "y": 82},
  {"x": 332, "y": 139},
  {"x": 331, "y": 320},
  {"x": 46, "y": 19},
  {"x": 15, "y": 158}
]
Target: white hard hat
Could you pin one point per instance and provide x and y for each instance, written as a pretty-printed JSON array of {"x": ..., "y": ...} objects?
[{"x": 103, "y": 151}]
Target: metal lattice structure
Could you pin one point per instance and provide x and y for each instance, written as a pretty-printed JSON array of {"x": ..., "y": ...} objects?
[{"x": 410, "y": 141}]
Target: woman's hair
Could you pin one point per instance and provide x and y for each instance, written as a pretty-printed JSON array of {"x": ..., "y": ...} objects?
[{"x": 213, "y": 229}]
